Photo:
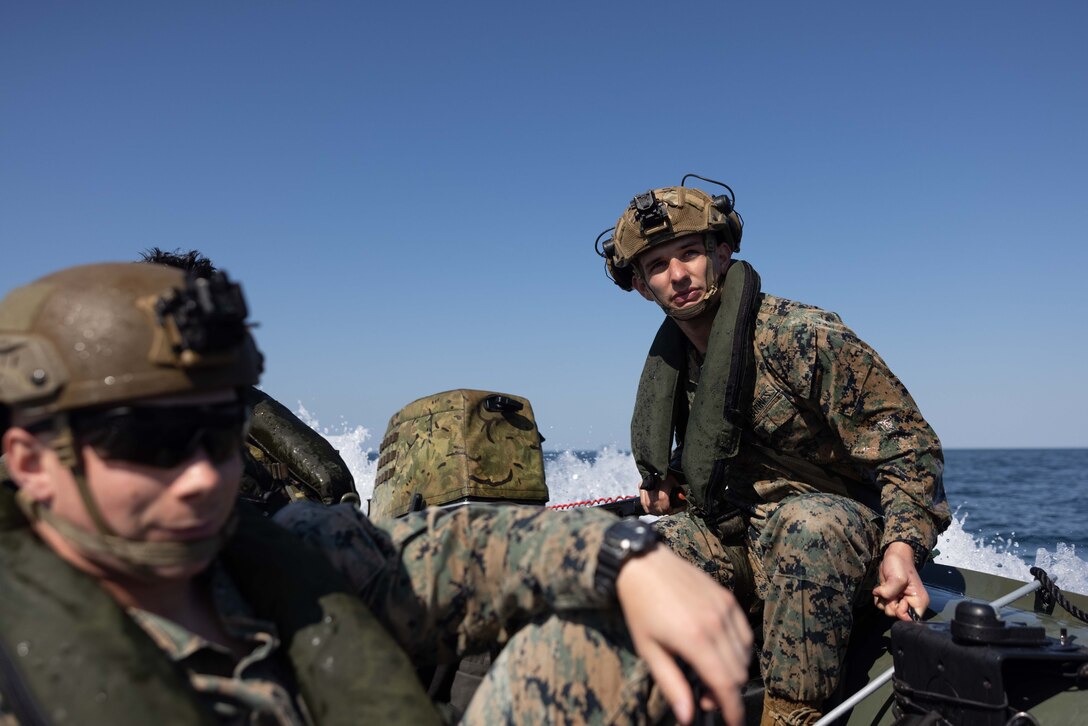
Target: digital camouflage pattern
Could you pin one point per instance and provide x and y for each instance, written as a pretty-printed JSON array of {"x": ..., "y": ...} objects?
[
  {"x": 827, "y": 413},
  {"x": 450, "y": 582},
  {"x": 837, "y": 464},
  {"x": 803, "y": 574},
  {"x": 459, "y": 445},
  {"x": 577, "y": 669},
  {"x": 446, "y": 583}
]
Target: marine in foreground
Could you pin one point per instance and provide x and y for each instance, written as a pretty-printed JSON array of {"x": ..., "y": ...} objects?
[{"x": 132, "y": 584}]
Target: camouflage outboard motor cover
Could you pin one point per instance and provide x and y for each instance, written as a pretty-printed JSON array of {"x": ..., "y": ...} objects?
[{"x": 459, "y": 446}]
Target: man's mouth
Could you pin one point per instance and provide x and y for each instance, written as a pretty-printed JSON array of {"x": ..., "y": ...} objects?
[
  {"x": 200, "y": 526},
  {"x": 184, "y": 534},
  {"x": 688, "y": 296}
]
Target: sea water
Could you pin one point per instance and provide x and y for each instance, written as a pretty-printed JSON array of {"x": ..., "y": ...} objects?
[{"x": 1012, "y": 508}]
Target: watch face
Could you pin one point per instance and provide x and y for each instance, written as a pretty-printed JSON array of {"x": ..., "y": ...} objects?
[
  {"x": 631, "y": 536},
  {"x": 623, "y": 540}
]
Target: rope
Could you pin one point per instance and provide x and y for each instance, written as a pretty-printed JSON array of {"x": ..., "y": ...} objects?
[{"x": 1056, "y": 595}]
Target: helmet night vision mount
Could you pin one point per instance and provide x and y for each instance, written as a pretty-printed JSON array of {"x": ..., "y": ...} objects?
[{"x": 106, "y": 334}]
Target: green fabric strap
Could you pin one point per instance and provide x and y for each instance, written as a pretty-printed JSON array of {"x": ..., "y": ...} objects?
[
  {"x": 659, "y": 393},
  {"x": 342, "y": 654},
  {"x": 711, "y": 433}
]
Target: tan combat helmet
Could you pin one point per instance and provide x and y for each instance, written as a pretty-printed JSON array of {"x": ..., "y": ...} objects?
[
  {"x": 660, "y": 216},
  {"x": 459, "y": 446},
  {"x": 99, "y": 335}
]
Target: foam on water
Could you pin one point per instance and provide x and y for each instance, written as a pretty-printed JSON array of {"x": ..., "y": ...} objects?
[
  {"x": 353, "y": 443},
  {"x": 611, "y": 472},
  {"x": 959, "y": 548}
]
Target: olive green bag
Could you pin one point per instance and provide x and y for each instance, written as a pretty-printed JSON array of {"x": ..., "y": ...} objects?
[{"x": 459, "y": 446}]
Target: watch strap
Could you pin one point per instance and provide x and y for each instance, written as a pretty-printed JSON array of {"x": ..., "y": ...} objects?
[{"x": 623, "y": 540}]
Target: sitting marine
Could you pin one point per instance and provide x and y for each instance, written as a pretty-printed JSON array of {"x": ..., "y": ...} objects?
[
  {"x": 135, "y": 584},
  {"x": 802, "y": 470},
  {"x": 284, "y": 458},
  {"x": 447, "y": 450}
]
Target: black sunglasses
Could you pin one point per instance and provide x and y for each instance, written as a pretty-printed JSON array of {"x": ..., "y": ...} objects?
[{"x": 164, "y": 436}]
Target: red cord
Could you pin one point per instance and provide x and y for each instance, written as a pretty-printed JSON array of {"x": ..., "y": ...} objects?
[{"x": 589, "y": 502}]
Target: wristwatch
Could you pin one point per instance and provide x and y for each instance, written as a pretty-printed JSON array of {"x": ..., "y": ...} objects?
[
  {"x": 921, "y": 554},
  {"x": 623, "y": 540}
]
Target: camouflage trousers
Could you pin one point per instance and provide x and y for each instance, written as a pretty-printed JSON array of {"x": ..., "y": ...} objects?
[
  {"x": 578, "y": 668},
  {"x": 809, "y": 563}
]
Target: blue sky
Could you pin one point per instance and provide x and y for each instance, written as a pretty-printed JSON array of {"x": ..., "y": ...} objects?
[{"x": 410, "y": 192}]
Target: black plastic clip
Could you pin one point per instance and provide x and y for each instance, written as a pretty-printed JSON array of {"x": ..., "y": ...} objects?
[{"x": 502, "y": 404}]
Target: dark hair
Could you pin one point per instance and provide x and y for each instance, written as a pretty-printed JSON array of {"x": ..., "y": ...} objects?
[{"x": 191, "y": 261}]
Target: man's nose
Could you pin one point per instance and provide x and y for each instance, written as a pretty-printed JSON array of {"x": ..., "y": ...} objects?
[
  {"x": 199, "y": 474},
  {"x": 677, "y": 271}
]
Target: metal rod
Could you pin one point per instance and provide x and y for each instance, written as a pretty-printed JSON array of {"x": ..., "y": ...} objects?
[
  {"x": 1016, "y": 594},
  {"x": 886, "y": 676}
]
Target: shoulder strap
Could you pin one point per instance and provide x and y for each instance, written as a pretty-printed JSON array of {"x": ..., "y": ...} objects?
[
  {"x": 660, "y": 391},
  {"x": 717, "y": 414},
  {"x": 713, "y": 428},
  {"x": 349, "y": 669}
]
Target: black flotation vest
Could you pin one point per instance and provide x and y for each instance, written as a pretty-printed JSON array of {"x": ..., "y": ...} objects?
[
  {"x": 710, "y": 433},
  {"x": 70, "y": 654}
]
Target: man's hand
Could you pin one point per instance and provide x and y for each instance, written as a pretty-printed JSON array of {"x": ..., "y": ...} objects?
[
  {"x": 672, "y": 609},
  {"x": 659, "y": 501},
  {"x": 900, "y": 585}
]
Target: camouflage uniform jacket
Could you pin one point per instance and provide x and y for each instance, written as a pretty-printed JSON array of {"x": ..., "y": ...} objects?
[
  {"x": 446, "y": 583},
  {"x": 827, "y": 412}
]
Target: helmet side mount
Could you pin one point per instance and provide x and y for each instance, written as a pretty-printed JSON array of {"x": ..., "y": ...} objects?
[{"x": 203, "y": 320}]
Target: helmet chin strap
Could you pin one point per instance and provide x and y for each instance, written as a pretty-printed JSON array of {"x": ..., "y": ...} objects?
[
  {"x": 141, "y": 556},
  {"x": 709, "y": 296}
]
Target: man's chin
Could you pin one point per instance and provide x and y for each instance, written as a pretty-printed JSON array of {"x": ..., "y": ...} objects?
[
  {"x": 151, "y": 574},
  {"x": 119, "y": 569},
  {"x": 689, "y": 309}
]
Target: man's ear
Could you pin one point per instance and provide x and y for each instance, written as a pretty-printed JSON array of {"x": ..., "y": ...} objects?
[
  {"x": 26, "y": 460},
  {"x": 723, "y": 252},
  {"x": 640, "y": 286}
]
